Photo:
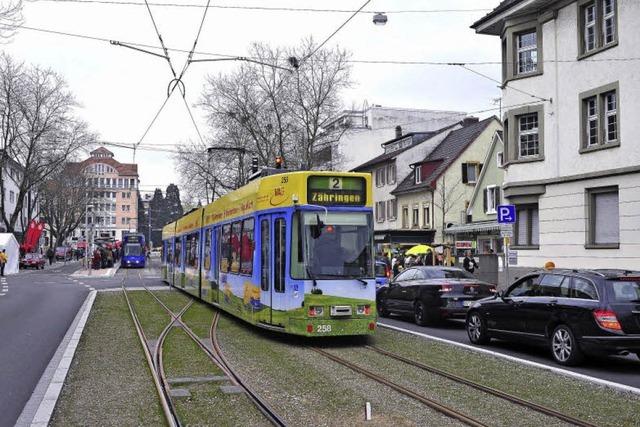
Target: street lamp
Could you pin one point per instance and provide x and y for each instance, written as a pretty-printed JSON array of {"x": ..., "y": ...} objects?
[{"x": 380, "y": 18}]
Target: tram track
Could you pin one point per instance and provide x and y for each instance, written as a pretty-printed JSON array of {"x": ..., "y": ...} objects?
[
  {"x": 489, "y": 390},
  {"x": 168, "y": 407},
  {"x": 217, "y": 357},
  {"x": 433, "y": 404}
]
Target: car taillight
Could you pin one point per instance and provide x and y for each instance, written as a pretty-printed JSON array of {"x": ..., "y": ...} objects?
[
  {"x": 607, "y": 320},
  {"x": 388, "y": 272},
  {"x": 363, "y": 309},
  {"x": 446, "y": 288},
  {"x": 316, "y": 311}
]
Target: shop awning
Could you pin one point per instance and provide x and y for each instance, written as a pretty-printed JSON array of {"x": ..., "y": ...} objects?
[{"x": 474, "y": 227}]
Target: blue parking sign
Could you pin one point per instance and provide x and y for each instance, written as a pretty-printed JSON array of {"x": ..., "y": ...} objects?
[{"x": 506, "y": 214}]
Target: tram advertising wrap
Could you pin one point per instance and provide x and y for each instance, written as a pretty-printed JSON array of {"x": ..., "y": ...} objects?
[
  {"x": 133, "y": 250},
  {"x": 291, "y": 252}
]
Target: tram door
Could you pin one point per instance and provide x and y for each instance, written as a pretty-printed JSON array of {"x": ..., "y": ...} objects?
[{"x": 273, "y": 231}]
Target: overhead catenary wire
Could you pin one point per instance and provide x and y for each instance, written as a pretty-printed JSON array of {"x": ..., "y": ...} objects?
[{"x": 266, "y": 8}]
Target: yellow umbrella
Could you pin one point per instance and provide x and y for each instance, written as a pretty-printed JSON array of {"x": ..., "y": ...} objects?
[{"x": 418, "y": 250}]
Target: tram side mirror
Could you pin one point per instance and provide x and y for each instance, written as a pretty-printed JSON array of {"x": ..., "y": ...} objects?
[{"x": 316, "y": 229}]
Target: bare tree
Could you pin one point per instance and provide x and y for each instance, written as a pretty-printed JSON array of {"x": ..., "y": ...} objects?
[
  {"x": 10, "y": 18},
  {"x": 62, "y": 202},
  {"x": 446, "y": 197},
  {"x": 38, "y": 131},
  {"x": 270, "y": 111}
]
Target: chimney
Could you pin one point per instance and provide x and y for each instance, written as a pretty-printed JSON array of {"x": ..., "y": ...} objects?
[
  {"x": 468, "y": 121},
  {"x": 398, "y": 131}
]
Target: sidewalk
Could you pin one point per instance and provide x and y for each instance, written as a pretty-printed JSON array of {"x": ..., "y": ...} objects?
[{"x": 102, "y": 273}]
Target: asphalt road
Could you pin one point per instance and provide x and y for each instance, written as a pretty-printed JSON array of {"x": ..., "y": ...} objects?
[
  {"x": 623, "y": 370},
  {"x": 36, "y": 309}
]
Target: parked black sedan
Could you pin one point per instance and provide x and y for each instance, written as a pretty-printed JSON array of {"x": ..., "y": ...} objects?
[
  {"x": 572, "y": 311},
  {"x": 431, "y": 294}
]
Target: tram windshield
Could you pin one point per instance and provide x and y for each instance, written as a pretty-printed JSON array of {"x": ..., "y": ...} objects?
[
  {"x": 132, "y": 249},
  {"x": 337, "y": 247}
]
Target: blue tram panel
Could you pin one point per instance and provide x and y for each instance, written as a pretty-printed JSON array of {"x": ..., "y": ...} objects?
[{"x": 133, "y": 254}]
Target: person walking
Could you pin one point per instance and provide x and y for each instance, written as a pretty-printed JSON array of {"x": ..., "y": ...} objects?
[
  {"x": 469, "y": 263},
  {"x": 50, "y": 254},
  {"x": 3, "y": 261}
]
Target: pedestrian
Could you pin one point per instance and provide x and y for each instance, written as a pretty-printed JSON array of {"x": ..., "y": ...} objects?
[
  {"x": 469, "y": 262},
  {"x": 3, "y": 261},
  {"x": 50, "y": 255}
]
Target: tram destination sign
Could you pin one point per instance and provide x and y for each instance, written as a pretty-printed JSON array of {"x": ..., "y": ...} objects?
[{"x": 336, "y": 190}]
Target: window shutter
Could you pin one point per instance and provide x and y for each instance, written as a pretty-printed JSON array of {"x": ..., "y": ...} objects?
[
  {"x": 607, "y": 218},
  {"x": 498, "y": 196},
  {"x": 484, "y": 200},
  {"x": 480, "y": 169},
  {"x": 464, "y": 173}
]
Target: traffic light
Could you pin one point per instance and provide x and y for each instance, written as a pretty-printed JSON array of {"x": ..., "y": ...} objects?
[
  {"x": 279, "y": 161},
  {"x": 254, "y": 164}
]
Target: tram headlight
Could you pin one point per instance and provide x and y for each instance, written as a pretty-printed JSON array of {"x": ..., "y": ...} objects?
[
  {"x": 363, "y": 310},
  {"x": 316, "y": 311}
]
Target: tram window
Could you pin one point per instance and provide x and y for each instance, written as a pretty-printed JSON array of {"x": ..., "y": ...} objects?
[
  {"x": 225, "y": 248},
  {"x": 207, "y": 250},
  {"x": 246, "y": 247},
  {"x": 178, "y": 252},
  {"x": 235, "y": 246},
  {"x": 265, "y": 254},
  {"x": 280, "y": 252},
  {"x": 192, "y": 250},
  {"x": 297, "y": 261}
]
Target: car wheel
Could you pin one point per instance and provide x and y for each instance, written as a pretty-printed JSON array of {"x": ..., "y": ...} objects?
[
  {"x": 422, "y": 316},
  {"x": 564, "y": 347},
  {"x": 382, "y": 312},
  {"x": 477, "y": 329}
]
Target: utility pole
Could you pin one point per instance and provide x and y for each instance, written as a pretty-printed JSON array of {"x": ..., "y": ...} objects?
[{"x": 149, "y": 231}]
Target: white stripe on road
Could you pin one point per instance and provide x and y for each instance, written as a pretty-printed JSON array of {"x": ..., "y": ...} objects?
[{"x": 599, "y": 381}]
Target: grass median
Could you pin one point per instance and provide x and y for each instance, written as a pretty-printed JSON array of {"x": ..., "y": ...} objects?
[{"x": 109, "y": 382}]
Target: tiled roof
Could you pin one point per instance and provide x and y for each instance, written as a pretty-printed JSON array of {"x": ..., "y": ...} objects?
[
  {"x": 124, "y": 169},
  {"x": 417, "y": 138},
  {"x": 504, "y": 5},
  {"x": 447, "y": 152},
  {"x": 101, "y": 150}
]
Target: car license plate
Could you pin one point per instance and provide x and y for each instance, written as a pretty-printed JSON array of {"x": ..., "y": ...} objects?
[{"x": 467, "y": 303}]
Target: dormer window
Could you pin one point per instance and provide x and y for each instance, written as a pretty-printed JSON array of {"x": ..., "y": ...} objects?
[{"x": 418, "y": 174}]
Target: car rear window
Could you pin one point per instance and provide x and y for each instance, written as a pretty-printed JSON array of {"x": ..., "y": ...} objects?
[
  {"x": 625, "y": 290},
  {"x": 441, "y": 273}
]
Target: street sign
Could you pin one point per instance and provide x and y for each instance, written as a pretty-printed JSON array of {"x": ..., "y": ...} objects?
[
  {"x": 513, "y": 257},
  {"x": 506, "y": 230},
  {"x": 506, "y": 214}
]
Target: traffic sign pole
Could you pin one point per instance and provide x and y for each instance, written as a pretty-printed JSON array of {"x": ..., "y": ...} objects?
[{"x": 506, "y": 215}]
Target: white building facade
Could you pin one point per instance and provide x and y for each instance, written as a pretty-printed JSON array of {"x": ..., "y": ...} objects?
[
  {"x": 572, "y": 159},
  {"x": 363, "y": 130},
  {"x": 13, "y": 175}
]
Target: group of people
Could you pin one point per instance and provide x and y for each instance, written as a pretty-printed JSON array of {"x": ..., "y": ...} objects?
[{"x": 402, "y": 261}]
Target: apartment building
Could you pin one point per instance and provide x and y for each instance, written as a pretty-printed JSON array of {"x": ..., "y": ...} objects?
[{"x": 571, "y": 157}]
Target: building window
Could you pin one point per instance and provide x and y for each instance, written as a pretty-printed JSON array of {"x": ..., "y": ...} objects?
[
  {"x": 405, "y": 217},
  {"x": 470, "y": 173},
  {"x": 527, "y": 232},
  {"x": 603, "y": 223},
  {"x": 415, "y": 217},
  {"x": 392, "y": 209},
  {"x": 391, "y": 174},
  {"x": 426, "y": 217},
  {"x": 418, "y": 174},
  {"x": 598, "y": 29},
  {"x": 491, "y": 199},
  {"x": 12, "y": 197},
  {"x": 500, "y": 159},
  {"x": 599, "y": 118},
  {"x": 528, "y": 141},
  {"x": 380, "y": 208},
  {"x": 380, "y": 176},
  {"x": 527, "y": 52}
]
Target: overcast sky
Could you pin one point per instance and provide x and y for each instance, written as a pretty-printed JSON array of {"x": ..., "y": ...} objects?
[{"x": 120, "y": 90}]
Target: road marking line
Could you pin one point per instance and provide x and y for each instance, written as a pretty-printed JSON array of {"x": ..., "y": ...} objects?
[
  {"x": 565, "y": 372},
  {"x": 3, "y": 294},
  {"x": 39, "y": 408}
]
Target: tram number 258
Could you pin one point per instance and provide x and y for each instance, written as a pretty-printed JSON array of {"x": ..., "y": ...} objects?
[{"x": 323, "y": 329}]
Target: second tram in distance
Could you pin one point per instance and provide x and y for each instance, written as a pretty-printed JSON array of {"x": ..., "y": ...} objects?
[
  {"x": 133, "y": 250},
  {"x": 291, "y": 252}
]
